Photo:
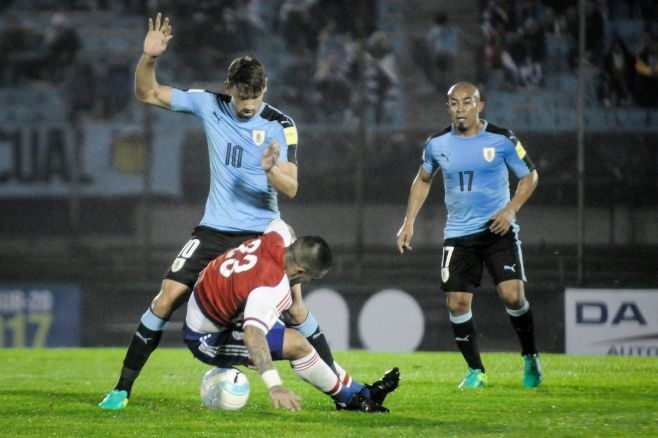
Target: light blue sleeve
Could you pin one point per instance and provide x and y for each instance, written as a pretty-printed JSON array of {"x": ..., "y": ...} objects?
[
  {"x": 429, "y": 163},
  {"x": 187, "y": 101},
  {"x": 514, "y": 158}
]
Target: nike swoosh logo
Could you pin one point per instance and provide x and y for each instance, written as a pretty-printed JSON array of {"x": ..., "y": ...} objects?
[
  {"x": 509, "y": 268},
  {"x": 464, "y": 339}
]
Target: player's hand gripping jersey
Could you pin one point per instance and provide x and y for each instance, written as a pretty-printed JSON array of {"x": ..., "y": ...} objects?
[
  {"x": 475, "y": 175},
  {"x": 244, "y": 286},
  {"x": 240, "y": 197}
]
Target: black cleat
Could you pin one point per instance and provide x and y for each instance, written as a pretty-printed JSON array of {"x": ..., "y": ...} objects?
[
  {"x": 362, "y": 403},
  {"x": 384, "y": 386}
]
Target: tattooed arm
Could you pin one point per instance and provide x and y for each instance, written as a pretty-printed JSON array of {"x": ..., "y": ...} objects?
[{"x": 260, "y": 355}]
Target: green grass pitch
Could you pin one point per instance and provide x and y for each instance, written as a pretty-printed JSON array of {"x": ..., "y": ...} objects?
[{"x": 54, "y": 392}]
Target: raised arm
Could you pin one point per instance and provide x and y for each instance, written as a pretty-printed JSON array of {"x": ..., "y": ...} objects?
[
  {"x": 417, "y": 196},
  {"x": 147, "y": 88},
  {"x": 282, "y": 175}
]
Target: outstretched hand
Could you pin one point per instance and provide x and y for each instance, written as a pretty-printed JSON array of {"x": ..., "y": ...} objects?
[
  {"x": 158, "y": 36},
  {"x": 270, "y": 155},
  {"x": 284, "y": 398}
]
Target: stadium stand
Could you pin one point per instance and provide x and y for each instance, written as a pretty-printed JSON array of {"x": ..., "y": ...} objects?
[{"x": 47, "y": 247}]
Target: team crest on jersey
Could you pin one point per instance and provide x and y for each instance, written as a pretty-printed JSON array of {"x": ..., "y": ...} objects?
[
  {"x": 258, "y": 136},
  {"x": 489, "y": 154}
]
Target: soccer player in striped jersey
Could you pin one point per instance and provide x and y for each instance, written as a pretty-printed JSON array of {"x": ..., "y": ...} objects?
[
  {"x": 234, "y": 315},
  {"x": 474, "y": 157},
  {"x": 252, "y": 148}
]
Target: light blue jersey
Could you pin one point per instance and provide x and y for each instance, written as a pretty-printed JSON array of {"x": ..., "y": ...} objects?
[
  {"x": 475, "y": 175},
  {"x": 240, "y": 196}
]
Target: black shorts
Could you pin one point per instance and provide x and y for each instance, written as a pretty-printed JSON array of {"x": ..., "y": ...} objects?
[
  {"x": 463, "y": 257},
  {"x": 204, "y": 246}
]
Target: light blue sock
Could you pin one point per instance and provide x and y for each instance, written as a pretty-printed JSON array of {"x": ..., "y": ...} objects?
[
  {"x": 152, "y": 321},
  {"x": 308, "y": 327}
]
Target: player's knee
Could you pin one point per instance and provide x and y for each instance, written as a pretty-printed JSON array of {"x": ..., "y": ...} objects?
[
  {"x": 512, "y": 294},
  {"x": 297, "y": 313},
  {"x": 458, "y": 306},
  {"x": 515, "y": 302},
  {"x": 172, "y": 295},
  {"x": 296, "y": 346}
]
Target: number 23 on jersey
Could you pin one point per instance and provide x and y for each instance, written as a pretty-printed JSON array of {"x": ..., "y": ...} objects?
[{"x": 240, "y": 259}]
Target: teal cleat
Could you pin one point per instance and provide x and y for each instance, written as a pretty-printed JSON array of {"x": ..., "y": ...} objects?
[
  {"x": 474, "y": 379},
  {"x": 532, "y": 374},
  {"x": 115, "y": 400}
]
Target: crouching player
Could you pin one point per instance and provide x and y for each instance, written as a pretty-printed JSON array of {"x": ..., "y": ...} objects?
[{"x": 234, "y": 318}]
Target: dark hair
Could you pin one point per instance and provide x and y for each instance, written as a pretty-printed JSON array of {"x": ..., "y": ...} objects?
[
  {"x": 312, "y": 253},
  {"x": 247, "y": 74}
]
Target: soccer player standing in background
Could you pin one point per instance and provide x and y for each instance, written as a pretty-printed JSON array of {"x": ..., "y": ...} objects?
[
  {"x": 474, "y": 157},
  {"x": 252, "y": 149}
]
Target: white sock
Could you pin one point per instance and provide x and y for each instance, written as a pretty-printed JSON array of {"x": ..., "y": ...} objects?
[
  {"x": 313, "y": 370},
  {"x": 343, "y": 375}
]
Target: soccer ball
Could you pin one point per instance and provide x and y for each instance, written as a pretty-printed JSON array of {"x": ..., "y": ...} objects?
[{"x": 225, "y": 389}]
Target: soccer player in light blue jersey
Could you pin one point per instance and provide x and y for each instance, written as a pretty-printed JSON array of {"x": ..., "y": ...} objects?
[
  {"x": 474, "y": 157},
  {"x": 252, "y": 148}
]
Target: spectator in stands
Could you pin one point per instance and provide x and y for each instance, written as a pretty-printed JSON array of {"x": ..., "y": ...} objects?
[
  {"x": 594, "y": 31},
  {"x": 617, "y": 75},
  {"x": 299, "y": 80},
  {"x": 80, "y": 89},
  {"x": 651, "y": 21},
  {"x": 334, "y": 89},
  {"x": 13, "y": 45},
  {"x": 355, "y": 18},
  {"x": 381, "y": 77},
  {"x": 532, "y": 51},
  {"x": 62, "y": 44},
  {"x": 331, "y": 72},
  {"x": 442, "y": 41},
  {"x": 114, "y": 91},
  {"x": 499, "y": 62},
  {"x": 495, "y": 17},
  {"x": 296, "y": 23},
  {"x": 500, "y": 67},
  {"x": 198, "y": 63},
  {"x": 646, "y": 69},
  {"x": 235, "y": 30}
]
